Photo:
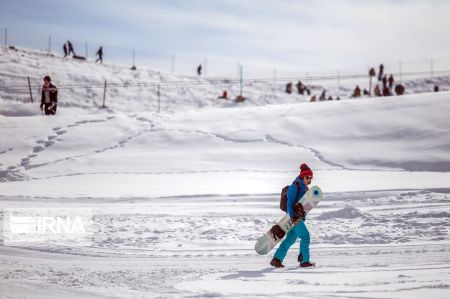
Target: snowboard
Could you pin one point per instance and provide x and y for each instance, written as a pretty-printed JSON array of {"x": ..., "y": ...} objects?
[{"x": 271, "y": 238}]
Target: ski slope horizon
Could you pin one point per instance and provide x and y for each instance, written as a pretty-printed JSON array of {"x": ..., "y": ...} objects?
[{"x": 178, "y": 198}]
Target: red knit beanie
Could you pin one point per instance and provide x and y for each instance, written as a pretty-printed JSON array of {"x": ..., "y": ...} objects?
[{"x": 305, "y": 171}]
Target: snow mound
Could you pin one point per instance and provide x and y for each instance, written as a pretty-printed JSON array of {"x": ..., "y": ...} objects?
[{"x": 348, "y": 212}]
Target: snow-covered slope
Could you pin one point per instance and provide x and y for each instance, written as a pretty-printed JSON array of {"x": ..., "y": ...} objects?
[
  {"x": 81, "y": 85},
  {"x": 178, "y": 199},
  {"x": 353, "y": 145}
]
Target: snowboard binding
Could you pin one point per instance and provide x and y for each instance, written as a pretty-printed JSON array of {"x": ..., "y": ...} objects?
[{"x": 277, "y": 232}]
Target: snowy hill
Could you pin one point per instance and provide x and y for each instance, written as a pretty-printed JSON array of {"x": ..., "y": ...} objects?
[
  {"x": 389, "y": 143},
  {"x": 81, "y": 85},
  {"x": 178, "y": 199}
]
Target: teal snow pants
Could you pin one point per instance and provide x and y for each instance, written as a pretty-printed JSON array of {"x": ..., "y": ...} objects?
[{"x": 298, "y": 231}]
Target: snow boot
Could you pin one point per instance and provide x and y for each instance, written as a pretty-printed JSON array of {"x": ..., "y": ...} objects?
[
  {"x": 276, "y": 263},
  {"x": 307, "y": 265}
]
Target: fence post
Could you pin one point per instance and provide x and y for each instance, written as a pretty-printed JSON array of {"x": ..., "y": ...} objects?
[
  {"x": 173, "y": 64},
  {"x": 29, "y": 88},
  {"x": 338, "y": 81},
  {"x": 431, "y": 67},
  {"x": 238, "y": 69},
  {"x": 242, "y": 79},
  {"x": 159, "y": 98},
  {"x": 104, "y": 96}
]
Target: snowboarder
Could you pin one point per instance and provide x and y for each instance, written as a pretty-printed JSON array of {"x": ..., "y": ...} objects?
[
  {"x": 199, "y": 70},
  {"x": 100, "y": 55},
  {"x": 296, "y": 191},
  {"x": 49, "y": 97}
]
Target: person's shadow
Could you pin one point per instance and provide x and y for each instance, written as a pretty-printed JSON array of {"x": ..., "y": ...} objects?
[{"x": 247, "y": 274}]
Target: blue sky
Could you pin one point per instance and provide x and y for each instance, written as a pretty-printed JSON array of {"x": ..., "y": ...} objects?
[{"x": 263, "y": 35}]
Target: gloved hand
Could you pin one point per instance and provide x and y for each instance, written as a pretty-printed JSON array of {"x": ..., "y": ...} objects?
[{"x": 300, "y": 211}]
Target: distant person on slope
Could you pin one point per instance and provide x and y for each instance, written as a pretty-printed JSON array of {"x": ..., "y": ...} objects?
[
  {"x": 199, "y": 70},
  {"x": 295, "y": 192},
  {"x": 224, "y": 95},
  {"x": 377, "y": 91},
  {"x": 380, "y": 72},
  {"x": 399, "y": 89},
  {"x": 391, "y": 83},
  {"x": 70, "y": 46},
  {"x": 289, "y": 88},
  {"x": 66, "y": 51},
  {"x": 49, "y": 97},
  {"x": 300, "y": 87},
  {"x": 323, "y": 96},
  {"x": 100, "y": 55},
  {"x": 356, "y": 92},
  {"x": 384, "y": 81}
]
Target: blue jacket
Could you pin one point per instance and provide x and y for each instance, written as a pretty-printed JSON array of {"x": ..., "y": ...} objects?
[{"x": 294, "y": 195}]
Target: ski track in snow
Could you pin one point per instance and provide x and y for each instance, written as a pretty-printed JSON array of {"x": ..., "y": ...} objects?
[
  {"x": 43, "y": 145},
  {"x": 315, "y": 152},
  {"x": 52, "y": 139},
  {"x": 25, "y": 162}
]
